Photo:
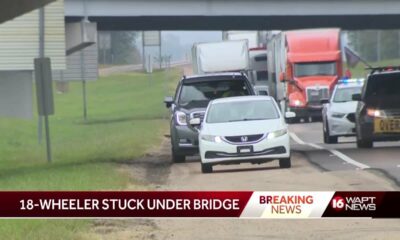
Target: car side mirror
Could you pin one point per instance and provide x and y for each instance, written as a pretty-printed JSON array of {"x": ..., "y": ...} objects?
[
  {"x": 290, "y": 114},
  {"x": 282, "y": 77},
  {"x": 324, "y": 101},
  {"x": 356, "y": 97},
  {"x": 195, "y": 121},
  {"x": 168, "y": 101}
]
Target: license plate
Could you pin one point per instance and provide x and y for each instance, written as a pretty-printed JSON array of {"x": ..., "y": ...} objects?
[
  {"x": 389, "y": 125},
  {"x": 314, "y": 93},
  {"x": 245, "y": 149}
]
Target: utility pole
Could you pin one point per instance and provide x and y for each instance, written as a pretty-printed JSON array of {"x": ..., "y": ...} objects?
[
  {"x": 42, "y": 55},
  {"x": 83, "y": 68},
  {"x": 159, "y": 32}
]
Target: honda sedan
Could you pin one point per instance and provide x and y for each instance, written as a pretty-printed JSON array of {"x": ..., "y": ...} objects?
[{"x": 243, "y": 129}]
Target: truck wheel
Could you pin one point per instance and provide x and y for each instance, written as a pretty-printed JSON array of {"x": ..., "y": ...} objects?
[
  {"x": 328, "y": 139},
  {"x": 206, "y": 168},
  {"x": 177, "y": 158},
  {"x": 285, "y": 163}
]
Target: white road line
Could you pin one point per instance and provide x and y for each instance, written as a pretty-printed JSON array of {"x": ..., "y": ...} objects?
[
  {"x": 296, "y": 138},
  {"x": 333, "y": 151},
  {"x": 348, "y": 159}
]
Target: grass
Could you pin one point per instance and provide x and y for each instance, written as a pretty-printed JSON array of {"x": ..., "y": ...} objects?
[
  {"x": 126, "y": 117},
  {"x": 360, "y": 72}
]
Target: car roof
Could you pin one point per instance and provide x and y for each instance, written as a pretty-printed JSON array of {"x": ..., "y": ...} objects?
[
  {"x": 349, "y": 83},
  {"x": 242, "y": 99},
  {"x": 215, "y": 76}
]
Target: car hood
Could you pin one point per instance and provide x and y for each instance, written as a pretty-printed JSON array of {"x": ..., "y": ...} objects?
[
  {"x": 243, "y": 128},
  {"x": 345, "y": 107},
  {"x": 190, "y": 110}
]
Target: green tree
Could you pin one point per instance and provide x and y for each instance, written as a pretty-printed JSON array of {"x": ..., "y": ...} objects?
[
  {"x": 371, "y": 46},
  {"x": 123, "y": 49}
]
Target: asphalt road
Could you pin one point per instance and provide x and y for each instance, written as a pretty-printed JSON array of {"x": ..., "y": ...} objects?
[
  {"x": 384, "y": 158},
  {"x": 155, "y": 171}
]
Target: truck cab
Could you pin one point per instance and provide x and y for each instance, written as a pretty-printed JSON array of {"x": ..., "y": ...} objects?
[{"x": 308, "y": 64}]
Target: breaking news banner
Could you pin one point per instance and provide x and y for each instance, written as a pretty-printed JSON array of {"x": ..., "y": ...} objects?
[{"x": 189, "y": 204}]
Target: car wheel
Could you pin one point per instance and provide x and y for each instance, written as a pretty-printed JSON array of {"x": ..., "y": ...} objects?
[
  {"x": 206, "y": 168},
  {"x": 328, "y": 139},
  {"x": 285, "y": 163},
  {"x": 177, "y": 158},
  {"x": 362, "y": 143}
]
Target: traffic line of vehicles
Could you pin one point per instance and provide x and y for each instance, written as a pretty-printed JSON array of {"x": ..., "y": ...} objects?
[
  {"x": 216, "y": 112},
  {"x": 368, "y": 109}
]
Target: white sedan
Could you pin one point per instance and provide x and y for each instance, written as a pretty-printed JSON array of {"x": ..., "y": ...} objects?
[
  {"x": 338, "y": 113},
  {"x": 243, "y": 129}
]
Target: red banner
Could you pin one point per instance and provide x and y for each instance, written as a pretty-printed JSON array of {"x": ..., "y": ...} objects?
[
  {"x": 122, "y": 204},
  {"x": 199, "y": 204}
]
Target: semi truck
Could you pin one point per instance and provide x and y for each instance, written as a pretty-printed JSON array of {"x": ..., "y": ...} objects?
[
  {"x": 252, "y": 37},
  {"x": 258, "y": 73},
  {"x": 304, "y": 66},
  {"x": 257, "y": 53},
  {"x": 223, "y": 56}
]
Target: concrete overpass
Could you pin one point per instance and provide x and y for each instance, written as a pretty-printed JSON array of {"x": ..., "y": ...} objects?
[
  {"x": 235, "y": 14},
  {"x": 10, "y": 9}
]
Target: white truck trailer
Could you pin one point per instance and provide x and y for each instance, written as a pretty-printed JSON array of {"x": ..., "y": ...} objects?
[{"x": 224, "y": 56}]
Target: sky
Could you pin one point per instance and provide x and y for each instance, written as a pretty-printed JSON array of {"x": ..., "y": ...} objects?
[{"x": 177, "y": 44}]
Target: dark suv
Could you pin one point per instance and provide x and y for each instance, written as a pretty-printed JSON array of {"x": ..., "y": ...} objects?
[
  {"x": 378, "y": 111},
  {"x": 191, "y": 100}
]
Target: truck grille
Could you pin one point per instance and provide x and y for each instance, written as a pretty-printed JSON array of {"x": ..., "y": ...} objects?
[
  {"x": 197, "y": 115},
  {"x": 315, "y": 95},
  {"x": 245, "y": 139}
]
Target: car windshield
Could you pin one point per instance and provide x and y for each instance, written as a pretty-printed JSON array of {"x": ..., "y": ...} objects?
[
  {"x": 199, "y": 94},
  {"x": 315, "y": 69},
  {"x": 345, "y": 94},
  {"x": 242, "y": 111}
]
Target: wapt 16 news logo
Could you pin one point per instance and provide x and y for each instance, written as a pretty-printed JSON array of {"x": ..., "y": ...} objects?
[{"x": 354, "y": 203}]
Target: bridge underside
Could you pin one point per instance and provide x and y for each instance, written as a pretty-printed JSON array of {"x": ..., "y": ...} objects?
[
  {"x": 10, "y": 9},
  {"x": 244, "y": 22}
]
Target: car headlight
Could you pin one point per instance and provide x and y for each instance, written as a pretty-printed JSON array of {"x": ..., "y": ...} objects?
[
  {"x": 181, "y": 118},
  {"x": 375, "y": 113},
  {"x": 338, "y": 115},
  {"x": 276, "y": 134},
  {"x": 211, "y": 138},
  {"x": 298, "y": 103}
]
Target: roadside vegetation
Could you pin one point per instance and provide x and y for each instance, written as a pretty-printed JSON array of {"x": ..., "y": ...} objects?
[
  {"x": 360, "y": 70},
  {"x": 126, "y": 117}
]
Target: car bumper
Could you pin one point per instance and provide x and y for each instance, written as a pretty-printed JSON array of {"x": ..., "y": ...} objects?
[
  {"x": 306, "y": 111},
  {"x": 341, "y": 127},
  {"x": 185, "y": 140},
  {"x": 226, "y": 153},
  {"x": 367, "y": 132}
]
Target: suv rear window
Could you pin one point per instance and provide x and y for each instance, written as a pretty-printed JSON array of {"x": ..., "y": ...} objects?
[
  {"x": 383, "y": 85},
  {"x": 383, "y": 90},
  {"x": 199, "y": 94}
]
